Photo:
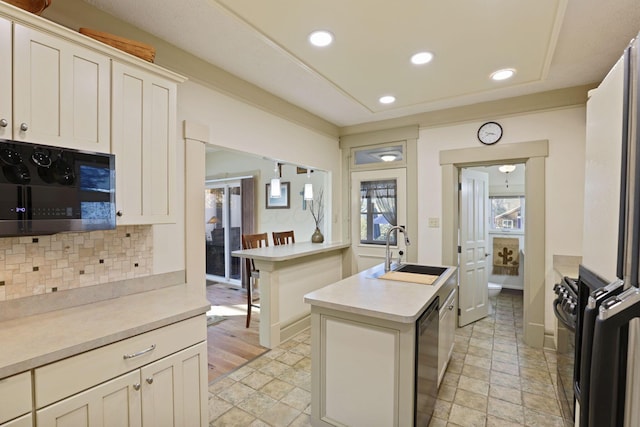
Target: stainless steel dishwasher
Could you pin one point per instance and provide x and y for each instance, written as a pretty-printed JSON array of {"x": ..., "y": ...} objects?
[{"x": 426, "y": 385}]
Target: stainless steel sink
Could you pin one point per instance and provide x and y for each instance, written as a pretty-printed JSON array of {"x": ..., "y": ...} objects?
[{"x": 421, "y": 269}]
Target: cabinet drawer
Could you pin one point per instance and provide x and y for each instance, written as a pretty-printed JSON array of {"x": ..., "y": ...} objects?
[
  {"x": 15, "y": 396},
  {"x": 58, "y": 380}
]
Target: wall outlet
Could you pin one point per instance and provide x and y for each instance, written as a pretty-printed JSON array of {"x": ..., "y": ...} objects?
[{"x": 434, "y": 222}]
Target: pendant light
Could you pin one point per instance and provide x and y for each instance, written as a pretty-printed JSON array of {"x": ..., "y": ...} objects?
[
  {"x": 275, "y": 193},
  {"x": 308, "y": 187},
  {"x": 507, "y": 169}
]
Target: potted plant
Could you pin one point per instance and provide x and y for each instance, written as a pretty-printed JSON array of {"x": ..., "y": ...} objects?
[{"x": 317, "y": 212}]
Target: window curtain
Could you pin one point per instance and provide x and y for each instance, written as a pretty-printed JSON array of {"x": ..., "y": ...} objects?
[
  {"x": 383, "y": 196},
  {"x": 248, "y": 200}
]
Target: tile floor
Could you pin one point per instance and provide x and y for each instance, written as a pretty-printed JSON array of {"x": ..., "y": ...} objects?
[{"x": 493, "y": 379}]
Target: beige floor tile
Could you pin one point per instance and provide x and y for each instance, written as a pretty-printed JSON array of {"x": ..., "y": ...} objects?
[
  {"x": 541, "y": 403},
  {"x": 473, "y": 385},
  {"x": 479, "y": 351},
  {"x": 257, "y": 403},
  {"x": 501, "y": 356},
  {"x": 534, "y": 418},
  {"x": 241, "y": 372},
  {"x": 437, "y": 422},
  {"x": 236, "y": 393},
  {"x": 512, "y": 395},
  {"x": 303, "y": 420},
  {"x": 446, "y": 392},
  {"x": 221, "y": 384},
  {"x": 507, "y": 380},
  {"x": 506, "y": 410},
  {"x": 467, "y": 417},
  {"x": 256, "y": 380},
  {"x": 507, "y": 368},
  {"x": 217, "y": 407},
  {"x": 277, "y": 389},
  {"x": 481, "y": 362},
  {"x": 499, "y": 422},
  {"x": 233, "y": 418},
  {"x": 274, "y": 368},
  {"x": 297, "y": 398},
  {"x": 471, "y": 400},
  {"x": 280, "y": 415},
  {"x": 442, "y": 409},
  {"x": 476, "y": 372}
]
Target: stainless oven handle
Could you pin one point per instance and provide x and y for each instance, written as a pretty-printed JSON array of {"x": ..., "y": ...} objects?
[{"x": 567, "y": 324}]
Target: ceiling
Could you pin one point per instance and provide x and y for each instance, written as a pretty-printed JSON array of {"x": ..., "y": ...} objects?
[{"x": 552, "y": 44}]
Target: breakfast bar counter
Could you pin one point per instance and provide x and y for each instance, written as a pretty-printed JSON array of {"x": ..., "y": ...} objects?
[{"x": 287, "y": 273}]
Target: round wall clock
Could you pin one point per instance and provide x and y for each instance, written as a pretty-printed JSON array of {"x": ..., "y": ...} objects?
[{"x": 490, "y": 133}]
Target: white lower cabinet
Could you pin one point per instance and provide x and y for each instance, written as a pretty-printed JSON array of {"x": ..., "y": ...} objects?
[
  {"x": 112, "y": 404},
  {"x": 168, "y": 392},
  {"x": 446, "y": 333},
  {"x": 158, "y": 379},
  {"x": 362, "y": 370}
]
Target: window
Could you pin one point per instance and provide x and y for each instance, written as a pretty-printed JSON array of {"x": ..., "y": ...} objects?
[
  {"x": 378, "y": 212},
  {"x": 507, "y": 213}
]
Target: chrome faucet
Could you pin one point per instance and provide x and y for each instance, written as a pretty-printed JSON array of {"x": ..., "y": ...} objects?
[{"x": 387, "y": 255}]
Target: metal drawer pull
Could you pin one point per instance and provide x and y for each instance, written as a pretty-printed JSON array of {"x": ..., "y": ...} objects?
[
  {"x": 136, "y": 386},
  {"x": 150, "y": 380},
  {"x": 451, "y": 307},
  {"x": 140, "y": 353},
  {"x": 4, "y": 123},
  {"x": 24, "y": 127}
]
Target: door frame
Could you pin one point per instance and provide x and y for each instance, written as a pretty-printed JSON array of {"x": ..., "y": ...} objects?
[{"x": 532, "y": 154}]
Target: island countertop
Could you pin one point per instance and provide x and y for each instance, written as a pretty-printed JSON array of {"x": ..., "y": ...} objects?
[
  {"x": 365, "y": 294},
  {"x": 290, "y": 251}
]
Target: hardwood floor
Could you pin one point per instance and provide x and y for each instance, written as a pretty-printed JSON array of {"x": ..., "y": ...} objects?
[{"x": 229, "y": 343}]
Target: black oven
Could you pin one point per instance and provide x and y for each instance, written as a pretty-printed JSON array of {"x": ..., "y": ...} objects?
[
  {"x": 576, "y": 307},
  {"x": 46, "y": 190},
  {"x": 565, "y": 307}
]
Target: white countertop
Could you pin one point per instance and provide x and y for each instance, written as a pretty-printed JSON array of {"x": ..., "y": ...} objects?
[
  {"x": 380, "y": 298},
  {"x": 32, "y": 341},
  {"x": 290, "y": 251}
]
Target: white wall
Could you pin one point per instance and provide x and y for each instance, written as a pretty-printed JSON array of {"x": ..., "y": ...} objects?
[
  {"x": 237, "y": 126},
  {"x": 565, "y": 131}
]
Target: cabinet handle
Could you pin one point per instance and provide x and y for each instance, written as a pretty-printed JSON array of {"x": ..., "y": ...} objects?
[
  {"x": 136, "y": 386},
  {"x": 451, "y": 307},
  {"x": 4, "y": 123},
  {"x": 140, "y": 353},
  {"x": 149, "y": 380},
  {"x": 24, "y": 127},
  {"x": 119, "y": 213}
]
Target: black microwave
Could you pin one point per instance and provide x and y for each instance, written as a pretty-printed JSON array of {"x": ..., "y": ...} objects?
[{"x": 48, "y": 190}]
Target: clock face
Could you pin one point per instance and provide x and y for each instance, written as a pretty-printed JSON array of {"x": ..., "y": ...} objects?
[{"x": 490, "y": 133}]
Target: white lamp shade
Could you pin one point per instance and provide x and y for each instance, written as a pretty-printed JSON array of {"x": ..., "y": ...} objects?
[
  {"x": 308, "y": 191},
  {"x": 275, "y": 188}
]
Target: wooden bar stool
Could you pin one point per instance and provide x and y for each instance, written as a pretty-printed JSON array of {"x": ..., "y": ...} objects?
[
  {"x": 252, "y": 241},
  {"x": 283, "y": 237}
]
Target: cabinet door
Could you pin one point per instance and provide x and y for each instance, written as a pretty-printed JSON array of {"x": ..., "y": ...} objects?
[
  {"x": 15, "y": 396},
  {"x": 5, "y": 80},
  {"x": 446, "y": 331},
  {"x": 174, "y": 389},
  {"x": 60, "y": 92},
  {"x": 25, "y": 421},
  {"x": 115, "y": 403},
  {"x": 144, "y": 142}
]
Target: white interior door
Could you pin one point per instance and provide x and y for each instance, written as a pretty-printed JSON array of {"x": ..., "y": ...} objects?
[
  {"x": 474, "y": 246},
  {"x": 368, "y": 228}
]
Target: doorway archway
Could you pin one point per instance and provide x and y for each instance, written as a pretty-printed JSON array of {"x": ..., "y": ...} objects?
[{"x": 533, "y": 154}]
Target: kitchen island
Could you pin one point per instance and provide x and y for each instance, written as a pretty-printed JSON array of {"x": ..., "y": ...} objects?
[
  {"x": 363, "y": 331},
  {"x": 287, "y": 273}
]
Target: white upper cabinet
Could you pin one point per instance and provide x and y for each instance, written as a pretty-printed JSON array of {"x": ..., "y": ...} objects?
[
  {"x": 5, "y": 80},
  {"x": 60, "y": 92},
  {"x": 144, "y": 142}
]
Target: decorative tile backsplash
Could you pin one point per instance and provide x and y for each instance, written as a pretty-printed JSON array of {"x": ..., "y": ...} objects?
[{"x": 41, "y": 264}]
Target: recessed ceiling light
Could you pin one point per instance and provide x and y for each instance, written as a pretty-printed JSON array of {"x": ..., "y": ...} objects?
[
  {"x": 387, "y": 99},
  {"x": 421, "y": 58},
  {"x": 321, "y": 38},
  {"x": 503, "y": 74}
]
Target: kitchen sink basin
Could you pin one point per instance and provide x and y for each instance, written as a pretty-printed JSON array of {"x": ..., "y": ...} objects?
[{"x": 421, "y": 269}]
